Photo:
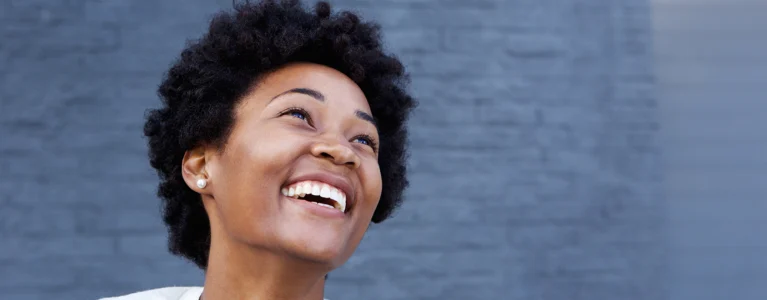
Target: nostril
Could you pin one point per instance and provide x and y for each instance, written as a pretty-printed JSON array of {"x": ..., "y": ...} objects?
[{"x": 326, "y": 155}]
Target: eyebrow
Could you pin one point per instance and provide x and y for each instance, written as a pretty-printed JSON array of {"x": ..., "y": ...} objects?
[
  {"x": 320, "y": 97},
  {"x": 310, "y": 92},
  {"x": 367, "y": 117}
]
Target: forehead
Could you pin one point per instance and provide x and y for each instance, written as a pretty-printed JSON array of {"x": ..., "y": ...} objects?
[{"x": 337, "y": 88}]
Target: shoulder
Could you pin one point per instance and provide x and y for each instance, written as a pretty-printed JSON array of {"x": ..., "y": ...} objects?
[{"x": 167, "y": 293}]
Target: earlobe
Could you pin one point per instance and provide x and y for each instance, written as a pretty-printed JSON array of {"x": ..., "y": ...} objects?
[{"x": 193, "y": 169}]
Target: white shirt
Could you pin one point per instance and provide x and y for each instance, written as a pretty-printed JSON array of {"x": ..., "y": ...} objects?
[{"x": 168, "y": 293}]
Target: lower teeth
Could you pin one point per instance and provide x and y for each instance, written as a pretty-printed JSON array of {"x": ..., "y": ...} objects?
[{"x": 323, "y": 204}]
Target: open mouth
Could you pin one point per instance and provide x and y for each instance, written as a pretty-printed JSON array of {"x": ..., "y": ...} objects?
[{"x": 318, "y": 193}]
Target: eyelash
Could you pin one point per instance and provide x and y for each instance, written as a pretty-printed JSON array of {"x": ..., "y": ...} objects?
[
  {"x": 369, "y": 139},
  {"x": 302, "y": 111}
]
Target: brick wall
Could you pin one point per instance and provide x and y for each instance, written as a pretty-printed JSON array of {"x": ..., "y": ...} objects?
[
  {"x": 534, "y": 169},
  {"x": 712, "y": 70}
]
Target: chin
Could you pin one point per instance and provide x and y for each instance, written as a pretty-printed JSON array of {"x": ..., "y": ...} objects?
[
  {"x": 317, "y": 234},
  {"x": 319, "y": 246},
  {"x": 329, "y": 257}
]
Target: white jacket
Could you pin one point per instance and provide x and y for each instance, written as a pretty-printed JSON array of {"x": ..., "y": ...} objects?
[{"x": 168, "y": 293}]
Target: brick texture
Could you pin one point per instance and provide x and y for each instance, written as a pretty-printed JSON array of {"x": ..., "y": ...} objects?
[
  {"x": 535, "y": 169},
  {"x": 711, "y": 70}
]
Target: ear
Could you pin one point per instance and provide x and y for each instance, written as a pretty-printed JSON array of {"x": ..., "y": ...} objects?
[{"x": 193, "y": 169}]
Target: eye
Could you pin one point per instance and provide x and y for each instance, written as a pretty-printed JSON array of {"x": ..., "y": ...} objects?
[
  {"x": 366, "y": 140},
  {"x": 298, "y": 113}
]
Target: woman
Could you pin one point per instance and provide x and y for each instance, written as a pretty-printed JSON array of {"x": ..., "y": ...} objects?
[{"x": 281, "y": 137}]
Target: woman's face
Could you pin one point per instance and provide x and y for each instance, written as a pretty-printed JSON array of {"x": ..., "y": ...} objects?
[{"x": 304, "y": 129}]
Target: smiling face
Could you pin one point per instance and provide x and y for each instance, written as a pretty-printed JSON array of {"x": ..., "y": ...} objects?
[{"x": 305, "y": 128}]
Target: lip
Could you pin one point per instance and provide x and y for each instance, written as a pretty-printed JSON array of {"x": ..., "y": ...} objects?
[
  {"x": 340, "y": 182},
  {"x": 326, "y": 212}
]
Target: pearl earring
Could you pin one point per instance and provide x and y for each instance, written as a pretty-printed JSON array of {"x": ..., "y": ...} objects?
[{"x": 201, "y": 183}]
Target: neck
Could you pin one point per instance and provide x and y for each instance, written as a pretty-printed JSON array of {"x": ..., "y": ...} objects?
[{"x": 239, "y": 271}]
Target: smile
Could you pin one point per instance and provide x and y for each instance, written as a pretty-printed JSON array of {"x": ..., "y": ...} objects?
[{"x": 318, "y": 193}]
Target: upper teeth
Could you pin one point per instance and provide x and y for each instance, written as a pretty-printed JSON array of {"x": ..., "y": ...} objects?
[{"x": 300, "y": 189}]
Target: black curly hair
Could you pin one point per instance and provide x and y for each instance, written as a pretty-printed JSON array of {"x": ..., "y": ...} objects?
[{"x": 200, "y": 91}]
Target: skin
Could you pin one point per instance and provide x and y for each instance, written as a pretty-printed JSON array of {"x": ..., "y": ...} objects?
[{"x": 263, "y": 245}]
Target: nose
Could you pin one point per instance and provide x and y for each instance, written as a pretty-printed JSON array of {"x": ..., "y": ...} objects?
[{"x": 337, "y": 153}]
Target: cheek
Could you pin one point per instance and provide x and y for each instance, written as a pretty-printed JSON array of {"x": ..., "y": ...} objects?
[
  {"x": 371, "y": 179},
  {"x": 252, "y": 172},
  {"x": 263, "y": 153}
]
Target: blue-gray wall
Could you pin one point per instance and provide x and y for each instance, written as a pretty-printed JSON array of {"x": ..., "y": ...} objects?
[
  {"x": 535, "y": 166},
  {"x": 711, "y": 59}
]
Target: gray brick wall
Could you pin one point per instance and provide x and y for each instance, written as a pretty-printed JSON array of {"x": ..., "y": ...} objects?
[
  {"x": 534, "y": 170},
  {"x": 712, "y": 73}
]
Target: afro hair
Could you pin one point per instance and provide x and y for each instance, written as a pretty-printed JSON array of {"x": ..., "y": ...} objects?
[{"x": 213, "y": 73}]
